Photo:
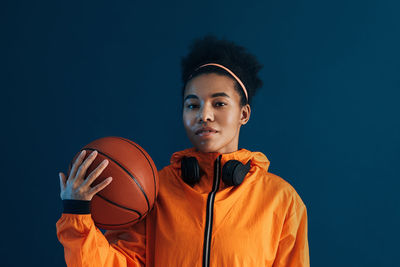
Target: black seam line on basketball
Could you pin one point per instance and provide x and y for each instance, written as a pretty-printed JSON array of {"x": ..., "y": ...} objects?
[
  {"x": 116, "y": 204},
  {"x": 137, "y": 219},
  {"x": 152, "y": 170},
  {"x": 154, "y": 179},
  {"x": 133, "y": 178},
  {"x": 119, "y": 223}
]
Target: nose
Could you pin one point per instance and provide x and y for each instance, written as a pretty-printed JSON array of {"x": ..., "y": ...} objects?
[{"x": 205, "y": 114}]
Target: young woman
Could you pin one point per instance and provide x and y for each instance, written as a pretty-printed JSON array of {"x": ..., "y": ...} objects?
[{"x": 217, "y": 205}]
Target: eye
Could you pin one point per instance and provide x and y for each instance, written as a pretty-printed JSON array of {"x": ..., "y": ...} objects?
[
  {"x": 190, "y": 106},
  {"x": 218, "y": 104}
]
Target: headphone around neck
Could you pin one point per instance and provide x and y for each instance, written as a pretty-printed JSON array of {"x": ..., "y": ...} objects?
[{"x": 233, "y": 171}]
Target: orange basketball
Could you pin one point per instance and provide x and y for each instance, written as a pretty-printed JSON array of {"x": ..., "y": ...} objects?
[{"x": 134, "y": 188}]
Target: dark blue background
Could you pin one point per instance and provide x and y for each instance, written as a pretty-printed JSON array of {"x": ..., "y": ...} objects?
[{"x": 327, "y": 116}]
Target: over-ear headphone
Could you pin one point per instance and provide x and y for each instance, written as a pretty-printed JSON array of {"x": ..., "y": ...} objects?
[{"x": 233, "y": 171}]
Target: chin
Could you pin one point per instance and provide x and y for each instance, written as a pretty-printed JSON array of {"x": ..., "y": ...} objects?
[{"x": 206, "y": 148}]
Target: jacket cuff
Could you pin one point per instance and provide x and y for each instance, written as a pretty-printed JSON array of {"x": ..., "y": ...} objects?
[{"x": 76, "y": 206}]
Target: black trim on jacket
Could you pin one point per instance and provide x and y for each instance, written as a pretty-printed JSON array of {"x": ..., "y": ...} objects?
[{"x": 209, "y": 214}]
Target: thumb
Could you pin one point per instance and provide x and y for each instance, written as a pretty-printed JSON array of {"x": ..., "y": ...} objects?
[{"x": 62, "y": 180}]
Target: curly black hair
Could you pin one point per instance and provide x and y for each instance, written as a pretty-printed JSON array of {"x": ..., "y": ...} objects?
[{"x": 235, "y": 57}]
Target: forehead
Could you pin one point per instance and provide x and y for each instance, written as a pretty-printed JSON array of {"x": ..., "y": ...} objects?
[{"x": 211, "y": 85}]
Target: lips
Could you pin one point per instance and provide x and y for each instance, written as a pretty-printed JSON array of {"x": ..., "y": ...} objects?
[{"x": 206, "y": 130}]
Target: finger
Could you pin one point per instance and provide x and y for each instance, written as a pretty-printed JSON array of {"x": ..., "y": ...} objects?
[
  {"x": 95, "y": 173},
  {"x": 100, "y": 186},
  {"x": 62, "y": 180},
  {"x": 77, "y": 163},
  {"x": 82, "y": 169}
]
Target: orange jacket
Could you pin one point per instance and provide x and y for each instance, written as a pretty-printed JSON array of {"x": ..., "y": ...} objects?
[{"x": 261, "y": 222}]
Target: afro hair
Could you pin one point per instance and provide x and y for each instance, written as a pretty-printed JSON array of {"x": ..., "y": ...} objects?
[{"x": 209, "y": 49}]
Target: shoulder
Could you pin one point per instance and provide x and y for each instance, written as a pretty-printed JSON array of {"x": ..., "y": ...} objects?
[
  {"x": 168, "y": 176},
  {"x": 166, "y": 171},
  {"x": 283, "y": 192}
]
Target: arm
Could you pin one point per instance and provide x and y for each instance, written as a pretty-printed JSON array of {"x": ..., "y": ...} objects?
[
  {"x": 293, "y": 248},
  {"x": 85, "y": 245}
]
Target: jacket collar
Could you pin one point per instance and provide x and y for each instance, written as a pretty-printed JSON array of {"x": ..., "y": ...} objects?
[{"x": 206, "y": 159}]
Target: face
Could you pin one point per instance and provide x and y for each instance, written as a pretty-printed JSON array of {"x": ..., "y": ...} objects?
[{"x": 210, "y": 100}]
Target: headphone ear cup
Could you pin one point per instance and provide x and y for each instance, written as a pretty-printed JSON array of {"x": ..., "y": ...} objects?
[
  {"x": 190, "y": 170},
  {"x": 234, "y": 171}
]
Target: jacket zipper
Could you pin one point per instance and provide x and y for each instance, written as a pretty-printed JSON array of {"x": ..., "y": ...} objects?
[{"x": 209, "y": 213}]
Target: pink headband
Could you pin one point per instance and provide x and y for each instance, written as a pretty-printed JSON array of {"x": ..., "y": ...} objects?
[{"x": 228, "y": 70}]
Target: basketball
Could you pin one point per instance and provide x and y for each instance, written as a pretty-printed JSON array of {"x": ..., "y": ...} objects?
[{"x": 134, "y": 188}]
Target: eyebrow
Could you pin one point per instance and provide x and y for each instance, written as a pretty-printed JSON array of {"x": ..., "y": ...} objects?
[{"x": 212, "y": 96}]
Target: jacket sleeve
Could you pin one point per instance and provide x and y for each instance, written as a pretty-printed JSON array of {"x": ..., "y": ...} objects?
[
  {"x": 85, "y": 245},
  {"x": 293, "y": 248}
]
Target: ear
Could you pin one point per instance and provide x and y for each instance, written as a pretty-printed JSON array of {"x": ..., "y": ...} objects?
[{"x": 245, "y": 114}]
